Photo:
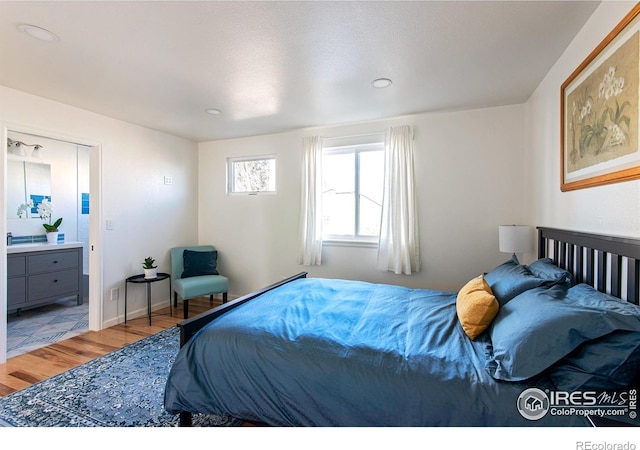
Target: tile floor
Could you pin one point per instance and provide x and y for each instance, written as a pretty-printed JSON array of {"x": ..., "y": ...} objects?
[{"x": 46, "y": 325}]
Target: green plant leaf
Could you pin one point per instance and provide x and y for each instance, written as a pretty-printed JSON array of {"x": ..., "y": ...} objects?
[
  {"x": 54, "y": 226},
  {"x": 148, "y": 263}
]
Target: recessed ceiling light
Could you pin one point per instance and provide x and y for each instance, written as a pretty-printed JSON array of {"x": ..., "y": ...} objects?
[
  {"x": 38, "y": 33},
  {"x": 381, "y": 83},
  {"x": 213, "y": 111}
]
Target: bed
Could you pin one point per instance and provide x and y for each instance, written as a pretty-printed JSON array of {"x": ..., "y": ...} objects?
[{"x": 552, "y": 343}]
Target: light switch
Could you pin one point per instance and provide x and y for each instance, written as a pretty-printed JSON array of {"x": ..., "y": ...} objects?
[{"x": 109, "y": 224}]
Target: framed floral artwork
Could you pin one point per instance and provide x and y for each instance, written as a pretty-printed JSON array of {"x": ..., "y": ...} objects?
[{"x": 599, "y": 112}]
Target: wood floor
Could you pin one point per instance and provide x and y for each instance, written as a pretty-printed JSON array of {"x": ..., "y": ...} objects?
[{"x": 24, "y": 370}]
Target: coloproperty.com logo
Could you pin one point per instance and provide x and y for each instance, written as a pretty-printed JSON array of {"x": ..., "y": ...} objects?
[{"x": 534, "y": 403}]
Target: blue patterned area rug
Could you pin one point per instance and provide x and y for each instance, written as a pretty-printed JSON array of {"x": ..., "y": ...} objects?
[{"x": 124, "y": 388}]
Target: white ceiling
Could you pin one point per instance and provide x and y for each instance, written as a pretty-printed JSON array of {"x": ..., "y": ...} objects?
[{"x": 273, "y": 66}]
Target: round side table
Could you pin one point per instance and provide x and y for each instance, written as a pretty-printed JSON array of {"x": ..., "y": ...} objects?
[{"x": 137, "y": 279}]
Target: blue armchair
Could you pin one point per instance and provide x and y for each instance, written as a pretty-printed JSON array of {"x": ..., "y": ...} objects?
[{"x": 194, "y": 274}]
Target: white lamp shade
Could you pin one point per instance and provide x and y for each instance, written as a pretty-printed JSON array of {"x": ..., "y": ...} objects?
[
  {"x": 18, "y": 150},
  {"x": 514, "y": 238}
]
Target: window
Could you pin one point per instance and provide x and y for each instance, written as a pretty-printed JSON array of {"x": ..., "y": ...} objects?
[
  {"x": 352, "y": 186},
  {"x": 251, "y": 175}
]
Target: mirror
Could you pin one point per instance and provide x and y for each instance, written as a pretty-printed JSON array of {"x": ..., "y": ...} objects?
[
  {"x": 26, "y": 181},
  {"x": 16, "y": 193}
]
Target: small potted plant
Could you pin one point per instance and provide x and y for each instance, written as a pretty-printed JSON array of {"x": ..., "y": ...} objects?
[
  {"x": 45, "y": 211},
  {"x": 150, "y": 269}
]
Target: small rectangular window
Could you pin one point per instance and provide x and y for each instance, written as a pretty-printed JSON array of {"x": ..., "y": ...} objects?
[{"x": 251, "y": 175}]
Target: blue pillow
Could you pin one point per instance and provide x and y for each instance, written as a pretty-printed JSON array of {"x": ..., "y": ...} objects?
[
  {"x": 541, "y": 326},
  {"x": 545, "y": 268},
  {"x": 611, "y": 362},
  {"x": 197, "y": 263},
  {"x": 510, "y": 279}
]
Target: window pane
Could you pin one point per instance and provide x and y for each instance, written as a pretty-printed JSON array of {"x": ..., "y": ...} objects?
[
  {"x": 371, "y": 179},
  {"x": 338, "y": 196},
  {"x": 254, "y": 175}
]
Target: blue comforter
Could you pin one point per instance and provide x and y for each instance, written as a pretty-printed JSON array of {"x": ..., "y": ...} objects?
[{"x": 320, "y": 352}]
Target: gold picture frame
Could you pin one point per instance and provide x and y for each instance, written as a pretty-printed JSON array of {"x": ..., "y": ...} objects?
[{"x": 599, "y": 112}]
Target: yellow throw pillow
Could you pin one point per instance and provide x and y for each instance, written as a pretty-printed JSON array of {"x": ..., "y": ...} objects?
[{"x": 476, "y": 307}]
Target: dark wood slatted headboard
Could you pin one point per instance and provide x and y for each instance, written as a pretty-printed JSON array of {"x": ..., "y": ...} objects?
[{"x": 611, "y": 264}]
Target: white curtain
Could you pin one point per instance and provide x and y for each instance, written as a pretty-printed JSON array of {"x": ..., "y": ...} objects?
[
  {"x": 399, "y": 247},
  {"x": 310, "y": 252}
]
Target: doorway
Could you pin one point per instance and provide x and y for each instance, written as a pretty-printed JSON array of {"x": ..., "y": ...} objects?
[{"x": 75, "y": 174}]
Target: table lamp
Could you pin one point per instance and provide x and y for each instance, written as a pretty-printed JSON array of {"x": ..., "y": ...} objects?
[{"x": 514, "y": 239}]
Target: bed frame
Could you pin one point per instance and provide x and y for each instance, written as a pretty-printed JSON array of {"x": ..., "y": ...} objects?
[{"x": 608, "y": 263}]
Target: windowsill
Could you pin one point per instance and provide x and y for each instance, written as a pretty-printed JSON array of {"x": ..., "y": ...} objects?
[
  {"x": 252, "y": 193},
  {"x": 349, "y": 243}
]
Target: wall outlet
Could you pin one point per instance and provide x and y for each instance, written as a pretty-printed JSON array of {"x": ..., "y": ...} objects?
[
  {"x": 168, "y": 180},
  {"x": 115, "y": 293}
]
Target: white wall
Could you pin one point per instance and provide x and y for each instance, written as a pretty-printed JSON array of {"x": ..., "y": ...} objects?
[
  {"x": 149, "y": 217},
  {"x": 611, "y": 209},
  {"x": 469, "y": 167}
]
